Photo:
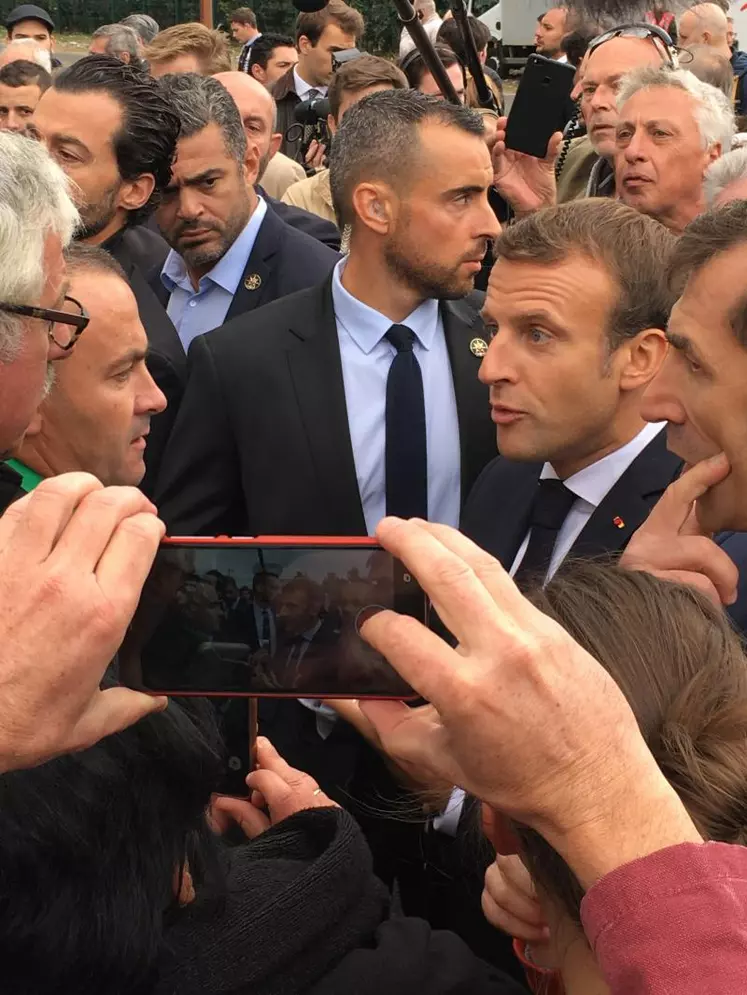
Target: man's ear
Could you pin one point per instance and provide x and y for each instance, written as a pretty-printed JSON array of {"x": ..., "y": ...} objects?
[
  {"x": 275, "y": 142},
  {"x": 136, "y": 193},
  {"x": 304, "y": 45},
  {"x": 35, "y": 425},
  {"x": 251, "y": 164},
  {"x": 644, "y": 357},
  {"x": 258, "y": 73},
  {"x": 331, "y": 124},
  {"x": 376, "y": 206}
]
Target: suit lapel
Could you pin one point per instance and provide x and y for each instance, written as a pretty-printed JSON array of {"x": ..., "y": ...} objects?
[
  {"x": 316, "y": 372},
  {"x": 256, "y": 286},
  {"x": 629, "y": 503},
  {"x": 463, "y": 327}
]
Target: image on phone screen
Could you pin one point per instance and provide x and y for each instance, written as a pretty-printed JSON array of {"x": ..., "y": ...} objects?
[{"x": 223, "y": 618}]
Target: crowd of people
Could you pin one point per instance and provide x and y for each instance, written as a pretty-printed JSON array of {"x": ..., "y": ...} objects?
[{"x": 306, "y": 295}]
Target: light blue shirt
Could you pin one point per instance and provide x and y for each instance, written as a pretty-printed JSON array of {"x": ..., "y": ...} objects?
[
  {"x": 196, "y": 311},
  {"x": 366, "y": 358}
]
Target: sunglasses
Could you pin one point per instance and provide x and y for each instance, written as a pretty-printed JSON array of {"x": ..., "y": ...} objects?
[
  {"x": 658, "y": 36},
  {"x": 65, "y": 327}
]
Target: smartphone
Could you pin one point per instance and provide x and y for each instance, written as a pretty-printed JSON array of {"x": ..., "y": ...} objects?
[
  {"x": 267, "y": 617},
  {"x": 540, "y": 105}
]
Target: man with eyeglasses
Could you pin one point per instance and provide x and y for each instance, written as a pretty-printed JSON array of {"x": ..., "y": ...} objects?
[
  {"x": 587, "y": 163},
  {"x": 96, "y": 416},
  {"x": 73, "y": 555}
]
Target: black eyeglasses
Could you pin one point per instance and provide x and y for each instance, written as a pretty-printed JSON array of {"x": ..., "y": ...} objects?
[
  {"x": 658, "y": 36},
  {"x": 65, "y": 327}
]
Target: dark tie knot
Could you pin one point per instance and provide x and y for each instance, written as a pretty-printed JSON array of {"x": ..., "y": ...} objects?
[
  {"x": 551, "y": 505},
  {"x": 401, "y": 337}
]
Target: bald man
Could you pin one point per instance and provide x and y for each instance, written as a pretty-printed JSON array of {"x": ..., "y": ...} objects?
[
  {"x": 259, "y": 117},
  {"x": 707, "y": 24}
]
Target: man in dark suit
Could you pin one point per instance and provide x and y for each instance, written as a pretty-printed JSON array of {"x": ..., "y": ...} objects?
[
  {"x": 577, "y": 305},
  {"x": 306, "y": 417},
  {"x": 112, "y": 131},
  {"x": 230, "y": 253}
]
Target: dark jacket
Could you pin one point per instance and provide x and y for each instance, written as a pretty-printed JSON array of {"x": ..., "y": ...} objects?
[
  {"x": 320, "y": 229},
  {"x": 286, "y": 99},
  {"x": 739, "y": 68},
  {"x": 283, "y": 261},
  {"x": 497, "y": 513},
  {"x": 139, "y": 250},
  {"x": 304, "y": 915}
]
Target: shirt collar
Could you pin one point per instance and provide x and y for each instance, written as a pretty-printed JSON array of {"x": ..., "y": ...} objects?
[
  {"x": 229, "y": 269},
  {"x": 594, "y": 482},
  {"x": 367, "y": 327},
  {"x": 302, "y": 87}
]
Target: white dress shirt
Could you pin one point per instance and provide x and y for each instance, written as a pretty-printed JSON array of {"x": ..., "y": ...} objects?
[
  {"x": 591, "y": 485},
  {"x": 302, "y": 87},
  {"x": 366, "y": 358}
]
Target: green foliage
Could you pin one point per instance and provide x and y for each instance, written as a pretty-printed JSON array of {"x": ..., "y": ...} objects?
[{"x": 382, "y": 27}]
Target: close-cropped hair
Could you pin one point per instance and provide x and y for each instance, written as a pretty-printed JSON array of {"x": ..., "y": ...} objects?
[
  {"x": 312, "y": 25},
  {"x": 81, "y": 257},
  {"x": 633, "y": 248},
  {"x": 262, "y": 49},
  {"x": 726, "y": 170},
  {"x": 25, "y": 73},
  {"x": 243, "y": 15},
  {"x": 682, "y": 669},
  {"x": 208, "y": 45}
]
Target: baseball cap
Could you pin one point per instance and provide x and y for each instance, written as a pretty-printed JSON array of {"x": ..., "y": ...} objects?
[{"x": 28, "y": 12}]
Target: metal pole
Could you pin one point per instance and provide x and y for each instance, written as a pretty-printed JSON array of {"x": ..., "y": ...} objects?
[{"x": 424, "y": 45}]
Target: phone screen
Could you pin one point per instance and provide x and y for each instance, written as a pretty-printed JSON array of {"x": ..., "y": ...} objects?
[{"x": 266, "y": 618}]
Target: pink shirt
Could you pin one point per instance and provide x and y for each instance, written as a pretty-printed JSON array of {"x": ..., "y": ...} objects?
[{"x": 674, "y": 923}]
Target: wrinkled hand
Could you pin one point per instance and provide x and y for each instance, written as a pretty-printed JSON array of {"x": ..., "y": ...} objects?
[
  {"x": 73, "y": 560},
  {"x": 275, "y": 786},
  {"x": 672, "y": 545},
  {"x": 525, "y": 183},
  {"x": 521, "y": 716},
  {"x": 509, "y": 902},
  {"x": 315, "y": 155}
]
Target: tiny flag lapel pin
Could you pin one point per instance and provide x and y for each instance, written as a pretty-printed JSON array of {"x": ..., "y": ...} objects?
[{"x": 618, "y": 522}]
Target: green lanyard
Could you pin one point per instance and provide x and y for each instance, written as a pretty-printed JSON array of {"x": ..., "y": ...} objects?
[{"x": 29, "y": 478}]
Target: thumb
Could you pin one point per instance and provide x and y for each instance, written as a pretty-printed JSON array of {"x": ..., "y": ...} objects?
[
  {"x": 553, "y": 148},
  {"x": 673, "y": 513},
  {"x": 247, "y": 817},
  {"x": 112, "y": 711}
]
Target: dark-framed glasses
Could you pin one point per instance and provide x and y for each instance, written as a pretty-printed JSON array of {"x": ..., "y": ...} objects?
[
  {"x": 640, "y": 29},
  {"x": 65, "y": 327}
]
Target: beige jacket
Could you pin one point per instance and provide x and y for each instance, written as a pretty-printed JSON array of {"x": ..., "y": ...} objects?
[
  {"x": 280, "y": 174},
  {"x": 313, "y": 194}
]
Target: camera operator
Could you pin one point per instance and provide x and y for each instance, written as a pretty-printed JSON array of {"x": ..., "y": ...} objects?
[
  {"x": 73, "y": 556},
  {"x": 319, "y": 35},
  {"x": 351, "y": 83}
]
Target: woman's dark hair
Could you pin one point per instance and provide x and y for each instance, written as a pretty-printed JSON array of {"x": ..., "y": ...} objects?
[
  {"x": 683, "y": 671},
  {"x": 146, "y": 141},
  {"x": 91, "y": 848}
]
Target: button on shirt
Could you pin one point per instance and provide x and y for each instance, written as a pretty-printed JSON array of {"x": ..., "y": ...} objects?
[
  {"x": 366, "y": 357},
  {"x": 196, "y": 311}
]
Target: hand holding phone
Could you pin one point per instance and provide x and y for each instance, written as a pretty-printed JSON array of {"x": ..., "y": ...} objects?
[
  {"x": 525, "y": 182},
  {"x": 540, "y": 106}
]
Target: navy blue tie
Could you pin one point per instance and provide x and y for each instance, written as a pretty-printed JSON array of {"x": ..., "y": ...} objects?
[
  {"x": 406, "y": 448},
  {"x": 552, "y": 502}
]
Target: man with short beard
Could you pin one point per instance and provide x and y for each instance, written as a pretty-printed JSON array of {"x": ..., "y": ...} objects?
[
  {"x": 229, "y": 252},
  {"x": 110, "y": 129}
]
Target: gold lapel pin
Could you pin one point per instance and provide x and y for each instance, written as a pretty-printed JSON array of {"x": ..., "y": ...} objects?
[
  {"x": 478, "y": 347},
  {"x": 253, "y": 282}
]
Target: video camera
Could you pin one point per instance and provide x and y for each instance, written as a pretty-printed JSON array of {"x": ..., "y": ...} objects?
[{"x": 311, "y": 115}]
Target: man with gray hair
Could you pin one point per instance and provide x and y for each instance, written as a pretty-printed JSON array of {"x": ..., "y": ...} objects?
[
  {"x": 726, "y": 179},
  {"x": 229, "y": 253},
  {"x": 29, "y": 51},
  {"x": 671, "y": 128},
  {"x": 119, "y": 42},
  {"x": 73, "y": 557},
  {"x": 146, "y": 26}
]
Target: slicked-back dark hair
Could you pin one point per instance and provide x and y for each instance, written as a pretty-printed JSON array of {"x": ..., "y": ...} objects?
[
  {"x": 90, "y": 847},
  {"x": 378, "y": 139},
  {"x": 201, "y": 100},
  {"x": 414, "y": 67},
  {"x": 708, "y": 236},
  {"x": 146, "y": 140}
]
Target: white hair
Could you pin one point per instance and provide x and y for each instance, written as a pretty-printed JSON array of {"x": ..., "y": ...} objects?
[
  {"x": 35, "y": 52},
  {"x": 714, "y": 112},
  {"x": 730, "y": 168},
  {"x": 34, "y": 202}
]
